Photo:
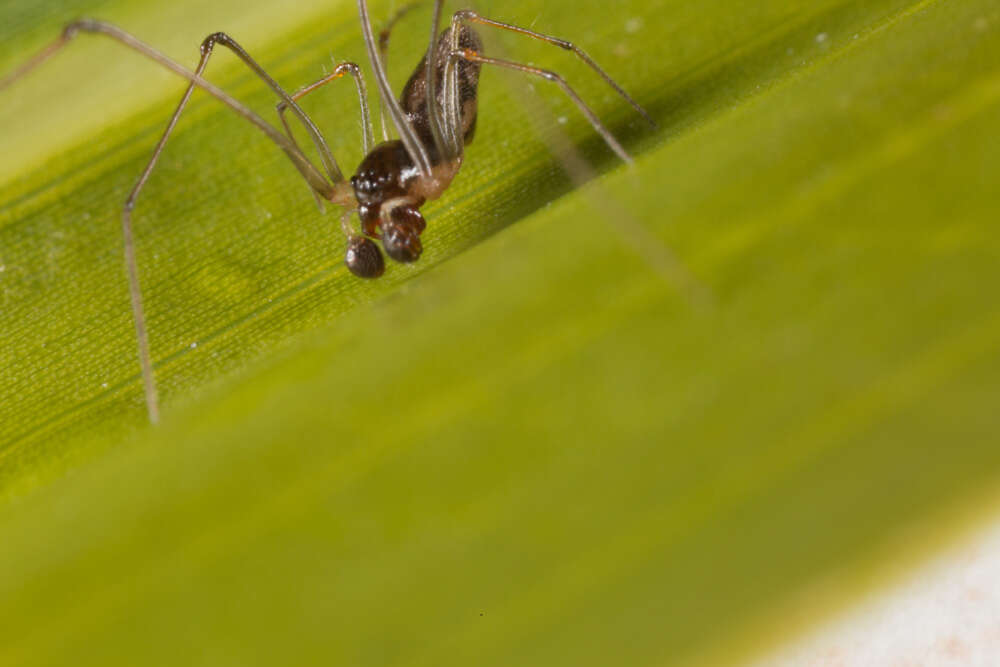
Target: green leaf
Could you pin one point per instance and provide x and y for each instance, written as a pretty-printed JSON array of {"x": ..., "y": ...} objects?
[{"x": 619, "y": 423}]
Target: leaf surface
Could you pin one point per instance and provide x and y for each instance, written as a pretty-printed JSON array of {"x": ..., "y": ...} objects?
[{"x": 538, "y": 445}]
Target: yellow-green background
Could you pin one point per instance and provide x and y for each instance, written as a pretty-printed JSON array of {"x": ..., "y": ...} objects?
[{"x": 538, "y": 445}]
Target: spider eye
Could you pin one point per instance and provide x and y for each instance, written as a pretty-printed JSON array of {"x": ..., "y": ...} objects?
[{"x": 363, "y": 258}]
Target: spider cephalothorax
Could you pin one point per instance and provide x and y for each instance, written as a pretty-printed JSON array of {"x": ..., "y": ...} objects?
[{"x": 387, "y": 207}]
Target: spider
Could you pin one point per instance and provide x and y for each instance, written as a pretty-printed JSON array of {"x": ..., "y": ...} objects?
[{"x": 435, "y": 118}]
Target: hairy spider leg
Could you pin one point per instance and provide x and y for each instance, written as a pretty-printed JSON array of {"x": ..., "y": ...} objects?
[{"x": 367, "y": 134}]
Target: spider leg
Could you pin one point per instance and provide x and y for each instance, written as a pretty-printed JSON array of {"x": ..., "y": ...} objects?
[
  {"x": 468, "y": 15},
  {"x": 367, "y": 136},
  {"x": 301, "y": 162},
  {"x": 314, "y": 177},
  {"x": 383, "y": 49},
  {"x": 407, "y": 134},
  {"x": 221, "y": 38},
  {"x": 472, "y": 56}
]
